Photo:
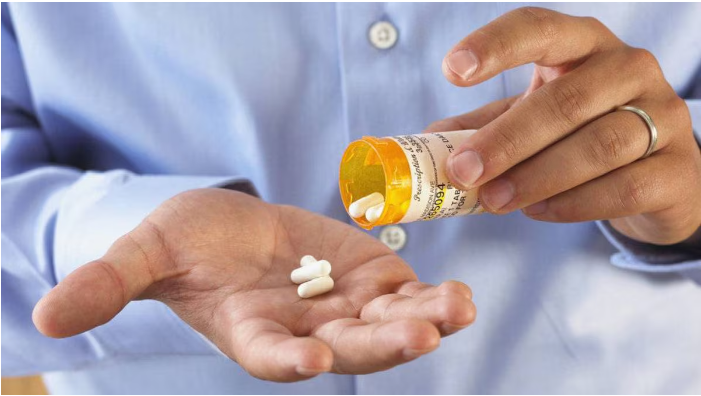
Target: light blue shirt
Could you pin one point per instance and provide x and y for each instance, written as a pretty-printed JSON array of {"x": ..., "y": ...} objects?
[{"x": 109, "y": 109}]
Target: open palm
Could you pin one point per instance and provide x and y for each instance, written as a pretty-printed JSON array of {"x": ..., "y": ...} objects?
[{"x": 222, "y": 260}]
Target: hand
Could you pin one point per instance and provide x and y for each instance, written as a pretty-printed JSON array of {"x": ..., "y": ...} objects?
[
  {"x": 559, "y": 151},
  {"x": 222, "y": 261}
]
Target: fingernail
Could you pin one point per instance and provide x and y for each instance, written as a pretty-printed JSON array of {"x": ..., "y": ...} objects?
[
  {"x": 498, "y": 194},
  {"x": 536, "y": 208},
  {"x": 466, "y": 167},
  {"x": 307, "y": 372},
  {"x": 448, "y": 328},
  {"x": 414, "y": 353},
  {"x": 463, "y": 63}
]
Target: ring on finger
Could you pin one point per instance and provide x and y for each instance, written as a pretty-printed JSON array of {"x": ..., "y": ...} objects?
[{"x": 652, "y": 129}]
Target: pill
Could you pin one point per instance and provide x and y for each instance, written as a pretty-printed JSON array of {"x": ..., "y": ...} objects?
[
  {"x": 311, "y": 271},
  {"x": 374, "y": 213},
  {"x": 306, "y": 260},
  {"x": 315, "y": 287},
  {"x": 358, "y": 208}
]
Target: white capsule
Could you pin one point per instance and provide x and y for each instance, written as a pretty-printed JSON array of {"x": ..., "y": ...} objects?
[
  {"x": 311, "y": 271},
  {"x": 358, "y": 208},
  {"x": 315, "y": 287},
  {"x": 374, "y": 213},
  {"x": 306, "y": 260}
]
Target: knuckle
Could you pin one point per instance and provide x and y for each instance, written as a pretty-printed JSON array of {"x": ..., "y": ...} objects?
[
  {"x": 645, "y": 62},
  {"x": 453, "y": 286},
  {"x": 633, "y": 193},
  {"x": 543, "y": 20},
  {"x": 507, "y": 145},
  {"x": 151, "y": 242},
  {"x": 112, "y": 274},
  {"x": 609, "y": 147},
  {"x": 568, "y": 102},
  {"x": 594, "y": 23},
  {"x": 643, "y": 57},
  {"x": 490, "y": 42},
  {"x": 679, "y": 111},
  {"x": 386, "y": 311},
  {"x": 678, "y": 106},
  {"x": 599, "y": 27}
]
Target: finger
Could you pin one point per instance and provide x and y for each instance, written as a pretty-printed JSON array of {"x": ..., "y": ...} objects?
[
  {"x": 361, "y": 348},
  {"x": 449, "y": 312},
  {"x": 546, "y": 116},
  {"x": 639, "y": 188},
  {"x": 629, "y": 191},
  {"x": 94, "y": 293},
  {"x": 475, "y": 119},
  {"x": 268, "y": 350},
  {"x": 420, "y": 289},
  {"x": 522, "y": 36},
  {"x": 606, "y": 144}
]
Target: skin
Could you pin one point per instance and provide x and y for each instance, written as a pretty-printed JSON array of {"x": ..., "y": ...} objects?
[
  {"x": 559, "y": 151},
  {"x": 221, "y": 260}
]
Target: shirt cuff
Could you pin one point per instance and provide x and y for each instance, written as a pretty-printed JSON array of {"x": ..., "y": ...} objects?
[
  {"x": 646, "y": 257},
  {"x": 94, "y": 213}
]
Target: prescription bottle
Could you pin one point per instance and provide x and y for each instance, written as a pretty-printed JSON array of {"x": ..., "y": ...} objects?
[{"x": 409, "y": 171}]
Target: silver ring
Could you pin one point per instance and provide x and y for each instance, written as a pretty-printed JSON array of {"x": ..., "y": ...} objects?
[{"x": 650, "y": 127}]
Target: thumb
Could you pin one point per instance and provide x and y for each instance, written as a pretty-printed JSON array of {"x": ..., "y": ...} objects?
[{"x": 94, "y": 293}]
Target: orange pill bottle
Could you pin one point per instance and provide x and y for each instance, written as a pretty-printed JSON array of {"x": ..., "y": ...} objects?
[{"x": 409, "y": 171}]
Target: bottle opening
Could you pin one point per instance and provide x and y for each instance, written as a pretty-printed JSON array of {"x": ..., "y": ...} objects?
[
  {"x": 373, "y": 165},
  {"x": 409, "y": 172}
]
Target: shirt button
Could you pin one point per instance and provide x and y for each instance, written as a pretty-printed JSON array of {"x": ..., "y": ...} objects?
[
  {"x": 393, "y": 236},
  {"x": 382, "y": 35}
]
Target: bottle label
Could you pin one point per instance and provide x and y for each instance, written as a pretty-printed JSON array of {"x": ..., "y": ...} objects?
[{"x": 432, "y": 194}]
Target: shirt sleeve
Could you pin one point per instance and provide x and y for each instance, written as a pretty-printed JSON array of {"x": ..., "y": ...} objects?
[
  {"x": 645, "y": 257},
  {"x": 56, "y": 218}
]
